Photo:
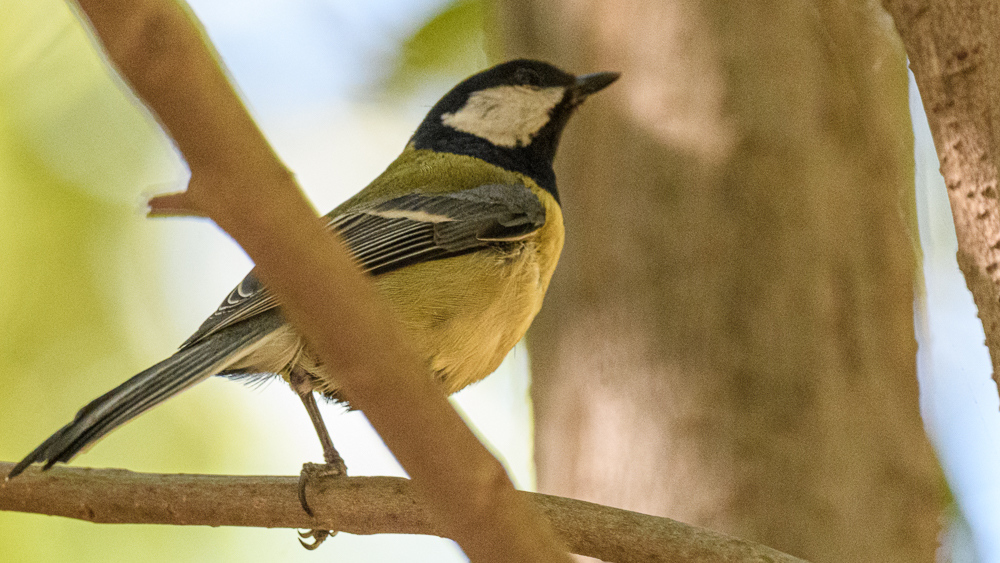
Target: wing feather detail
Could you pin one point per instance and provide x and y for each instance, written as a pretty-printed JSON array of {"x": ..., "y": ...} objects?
[{"x": 419, "y": 227}]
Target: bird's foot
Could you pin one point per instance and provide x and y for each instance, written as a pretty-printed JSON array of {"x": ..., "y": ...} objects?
[
  {"x": 311, "y": 472},
  {"x": 318, "y": 536}
]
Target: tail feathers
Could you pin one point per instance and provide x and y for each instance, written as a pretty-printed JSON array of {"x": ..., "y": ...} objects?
[{"x": 149, "y": 388}]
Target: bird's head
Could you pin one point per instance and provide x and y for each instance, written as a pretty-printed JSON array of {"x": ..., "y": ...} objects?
[{"x": 510, "y": 115}]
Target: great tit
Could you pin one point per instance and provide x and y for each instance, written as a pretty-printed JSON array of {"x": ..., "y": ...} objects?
[{"x": 461, "y": 234}]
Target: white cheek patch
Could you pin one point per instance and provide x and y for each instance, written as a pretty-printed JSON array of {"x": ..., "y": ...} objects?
[{"x": 507, "y": 116}]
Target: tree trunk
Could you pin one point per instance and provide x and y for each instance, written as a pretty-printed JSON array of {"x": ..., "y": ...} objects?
[{"x": 729, "y": 339}]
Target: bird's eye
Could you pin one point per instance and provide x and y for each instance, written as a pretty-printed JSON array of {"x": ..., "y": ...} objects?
[{"x": 527, "y": 77}]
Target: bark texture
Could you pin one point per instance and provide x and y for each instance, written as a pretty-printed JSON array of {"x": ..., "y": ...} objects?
[
  {"x": 357, "y": 505},
  {"x": 728, "y": 340},
  {"x": 954, "y": 52}
]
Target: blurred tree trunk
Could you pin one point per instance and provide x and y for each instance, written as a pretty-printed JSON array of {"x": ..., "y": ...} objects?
[{"x": 729, "y": 338}]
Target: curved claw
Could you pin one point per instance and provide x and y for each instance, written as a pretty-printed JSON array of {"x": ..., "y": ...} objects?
[
  {"x": 302, "y": 495},
  {"x": 313, "y": 471},
  {"x": 319, "y": 536}
]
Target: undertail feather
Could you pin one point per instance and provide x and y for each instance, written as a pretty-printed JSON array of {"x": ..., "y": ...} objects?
[{"x": 190, "y": 365}]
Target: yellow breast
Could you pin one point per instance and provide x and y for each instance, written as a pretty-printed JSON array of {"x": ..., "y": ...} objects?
[{"x": 477, "y": 306}]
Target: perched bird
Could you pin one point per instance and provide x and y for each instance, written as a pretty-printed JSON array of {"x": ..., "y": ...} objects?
[{"x": 461, "y": 234}]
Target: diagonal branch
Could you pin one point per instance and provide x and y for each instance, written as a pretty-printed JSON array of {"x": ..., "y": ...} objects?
[
  {"x": 238, "y": 181},
  {"x": 357, "y": 505}
]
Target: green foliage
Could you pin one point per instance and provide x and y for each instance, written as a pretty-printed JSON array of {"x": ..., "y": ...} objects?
[
  {"x": 80, "y": 285},
  {"x": 450, "y": 44}
]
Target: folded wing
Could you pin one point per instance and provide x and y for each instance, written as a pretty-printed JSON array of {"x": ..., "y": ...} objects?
[{"x": 388, "y": 235}]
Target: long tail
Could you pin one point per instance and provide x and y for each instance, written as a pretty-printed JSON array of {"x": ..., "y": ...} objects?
[{"x": 190, "y": 365}]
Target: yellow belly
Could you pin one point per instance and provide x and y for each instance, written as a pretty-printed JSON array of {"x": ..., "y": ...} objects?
[
  {"x": 466, "y": 313},
  {"x": 479, "y": 307},
  {"x": 463, "y": 313}
]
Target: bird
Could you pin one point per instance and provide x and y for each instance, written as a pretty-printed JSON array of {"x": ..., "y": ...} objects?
[{"x": 460, "y": 235}]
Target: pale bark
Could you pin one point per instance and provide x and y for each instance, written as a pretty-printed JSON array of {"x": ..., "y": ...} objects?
[
  {"x": 954, "y": 52},
  {"x": 358, "y": 505},
  {"x": 728, "y": 340}
]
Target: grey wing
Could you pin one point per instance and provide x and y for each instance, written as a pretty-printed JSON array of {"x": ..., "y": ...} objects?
[{"x": 388, "y": 235}]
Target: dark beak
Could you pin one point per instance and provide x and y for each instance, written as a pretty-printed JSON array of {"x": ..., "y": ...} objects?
[{"x": 590, "y": 83}]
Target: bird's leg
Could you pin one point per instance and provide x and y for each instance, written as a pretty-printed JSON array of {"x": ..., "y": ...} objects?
[{"x": 334, "y": 465}]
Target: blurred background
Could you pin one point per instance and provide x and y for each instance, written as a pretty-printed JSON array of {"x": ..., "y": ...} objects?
[{"x": 91, "y": 292}]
